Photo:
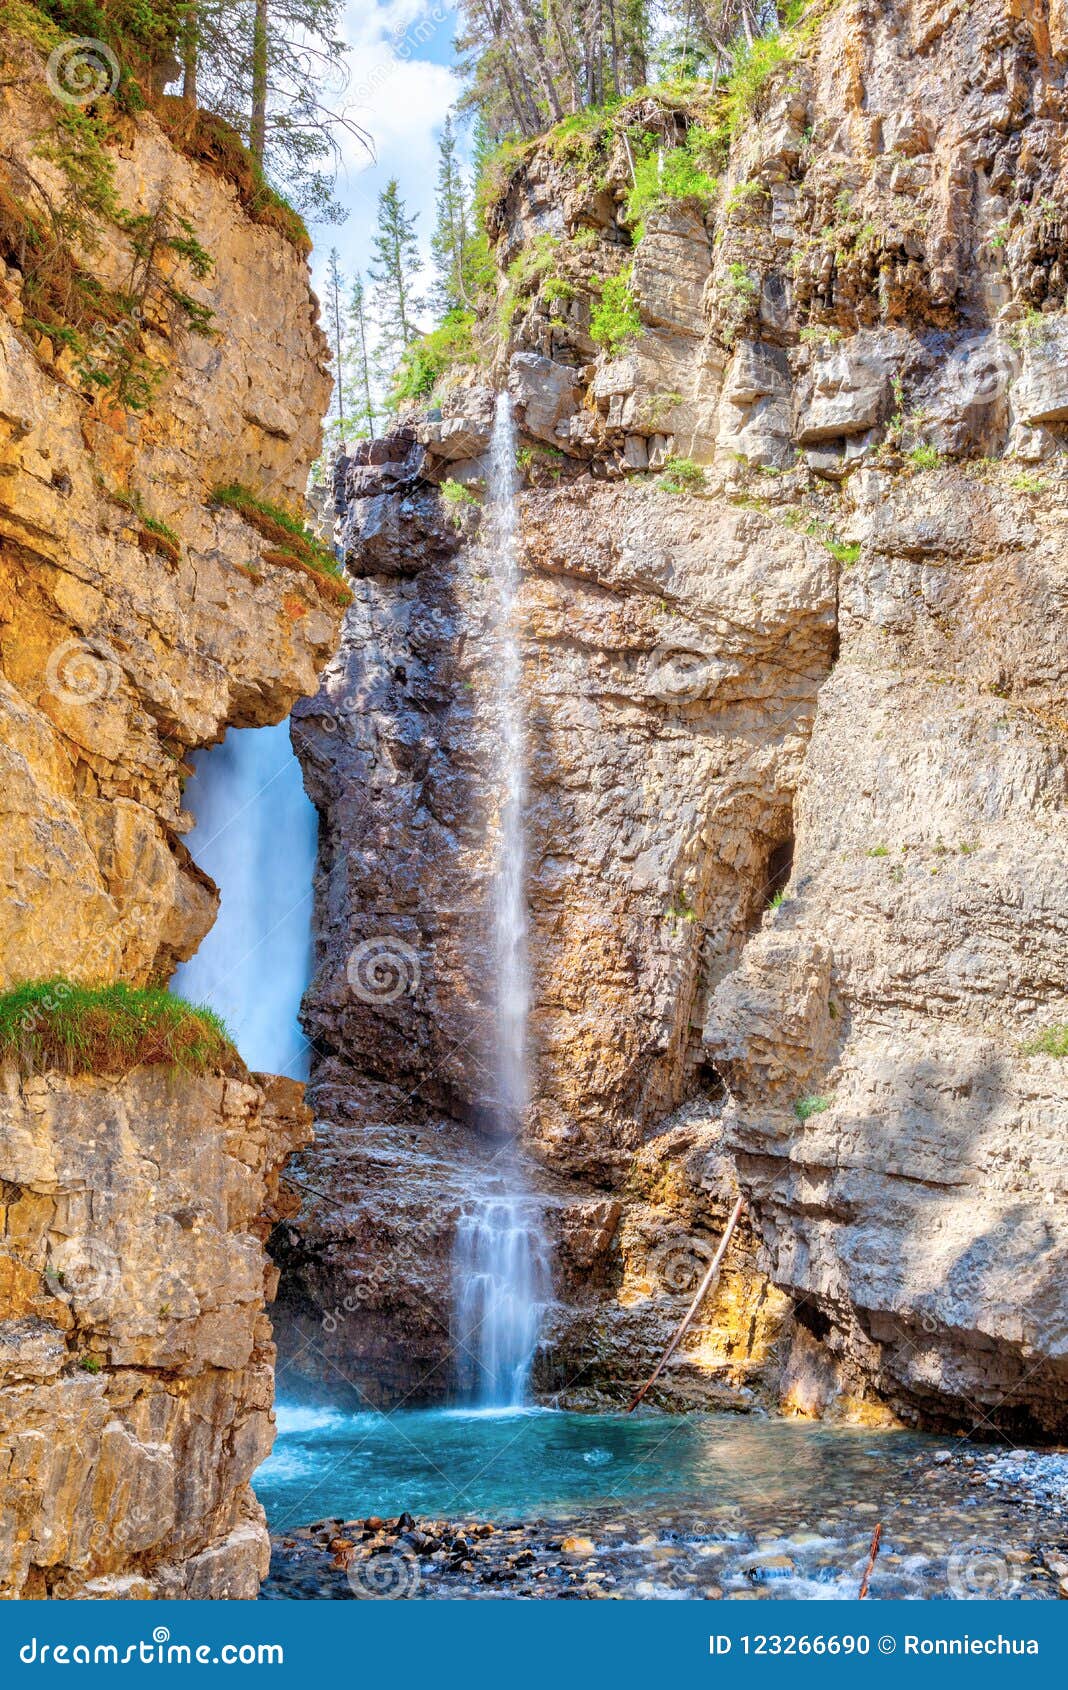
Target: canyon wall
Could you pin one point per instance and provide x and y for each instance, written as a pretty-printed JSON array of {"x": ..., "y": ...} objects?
[
  {"x": 139, "y": 618},
  {"x": 793, "y": 616}
]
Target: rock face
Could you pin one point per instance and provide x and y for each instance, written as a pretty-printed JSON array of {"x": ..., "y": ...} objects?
[
  {"x": 139, "y": 618},
  {"x": 135, "y": 1356},
  {"x": 797, "y": 744},
  {"x": 119, "y": 653}
]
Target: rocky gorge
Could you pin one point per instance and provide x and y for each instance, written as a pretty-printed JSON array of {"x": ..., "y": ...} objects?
[{"x": 790, "y": 546}]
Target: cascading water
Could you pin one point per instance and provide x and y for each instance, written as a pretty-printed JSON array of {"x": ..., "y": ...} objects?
[
  {"x": 255, "y": 835},
  {"x": 500, "y": 1263},
  {"x": 501, "y": 1285}
]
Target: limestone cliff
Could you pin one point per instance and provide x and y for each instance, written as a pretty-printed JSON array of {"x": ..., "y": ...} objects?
[
  {"x": 140, "y": 615},
  {"x": 797, "y": 717}
]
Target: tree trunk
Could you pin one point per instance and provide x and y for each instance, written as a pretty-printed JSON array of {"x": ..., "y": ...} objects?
[
  {"x": 190, "y": 57},
  {"x": 515, "y": 102},
  {"x": 636, "y": 43},
  {"x": 337, "y": 357},
  {"x": 258, "y": 125},
  {"x": 596, "y": 29},
  {"x": 613, "y": 36},
  {"x": 502, "y": 30},
  {"x": 561, "y": 26},
  {"x": 536, "y": 48},
  {"x": 402, "y": 296},
  {"x": 365, "y": 369}
]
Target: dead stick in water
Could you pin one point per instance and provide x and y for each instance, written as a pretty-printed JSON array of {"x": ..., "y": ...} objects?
[
  {"x": 873, "y": 1556},
  {"x": 699, "y": 1296}
]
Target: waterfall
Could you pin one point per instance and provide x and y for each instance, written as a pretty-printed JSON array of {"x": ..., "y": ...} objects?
[
  {"x": 255, "y": 835},
  {"x": 501, "y": 1279},
  {"x": 512, "y": 982},
  {"x": 501, "y": 1283}
]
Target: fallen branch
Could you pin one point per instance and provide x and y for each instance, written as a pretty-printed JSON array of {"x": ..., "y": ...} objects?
[
  {"x": 873, "y": 1556},
  {"x": 699, "y": 1297}
]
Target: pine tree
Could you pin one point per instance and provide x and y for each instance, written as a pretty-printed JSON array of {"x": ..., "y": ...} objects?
[
  {"x": 452, "y": 230},
  {"x": 334, "y": 283},
  {"x": 269, "y": 68},
  {"x": 359, "y": 358},
  {"x": 260, "y": 48},
  {"x": 394, "y": 272}
]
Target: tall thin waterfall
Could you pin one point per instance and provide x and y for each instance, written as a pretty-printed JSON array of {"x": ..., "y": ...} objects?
[
  {"x": 255, "y": 835},
  {"x": 500, "y": 1263},
  {"x": 510, "y": 873}
]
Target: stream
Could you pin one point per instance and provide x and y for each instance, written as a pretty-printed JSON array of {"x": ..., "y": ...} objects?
[{"x": 650, "y": 1506}]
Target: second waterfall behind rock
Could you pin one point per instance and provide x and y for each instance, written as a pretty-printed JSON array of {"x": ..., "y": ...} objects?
[
  {"x": 501, "y": 1275},
  {"x": 255, "y": 835}
]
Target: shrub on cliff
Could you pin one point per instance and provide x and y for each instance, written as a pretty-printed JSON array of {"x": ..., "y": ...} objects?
[
  {"x": 56, "y": 1024},
  {"x": 615, "y": 321},
  {"x": 1051, "y": 1041},
  {"x": 432, "y": 356},
  {"x": 680, "y": 175}
]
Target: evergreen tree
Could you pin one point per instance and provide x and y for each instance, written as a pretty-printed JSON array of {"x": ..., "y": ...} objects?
[
  {"x": 359, "y": 358},
  {"x": 394, "y": 273},
  {"x": 527, "y": 61},
  {"x": 334, "y": 283},
  {"x": 272, "y": 68},
  {"x": 452, "y": 230}
]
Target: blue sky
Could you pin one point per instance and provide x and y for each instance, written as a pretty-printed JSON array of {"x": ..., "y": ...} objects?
[{"x": 400, "y": 88}]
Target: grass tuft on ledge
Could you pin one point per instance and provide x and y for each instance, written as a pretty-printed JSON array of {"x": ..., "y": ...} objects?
[
  {"x": 806, "y": 1107},
  {"x": 294, "y": 546},
  {"x": 1051, "y": 1041},
  {"x": 57, "y": 1024}
]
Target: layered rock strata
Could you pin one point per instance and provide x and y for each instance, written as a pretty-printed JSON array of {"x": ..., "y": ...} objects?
[
  {"x": 136, "y": 1361},
  {"x": 139, "y": 618}
]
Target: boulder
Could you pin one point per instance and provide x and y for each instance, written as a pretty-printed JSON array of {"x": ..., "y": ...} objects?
[
  {"x": 848, "y": 390},
  {"x": 546, "y": 395}
]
